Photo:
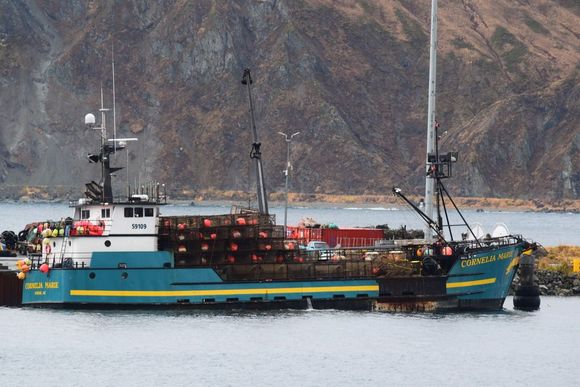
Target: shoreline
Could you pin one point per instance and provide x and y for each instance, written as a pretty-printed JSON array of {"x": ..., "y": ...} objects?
[{"x": 230, "y": 198}]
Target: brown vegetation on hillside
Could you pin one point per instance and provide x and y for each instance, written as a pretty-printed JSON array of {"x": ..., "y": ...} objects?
[{"x": 350, "y": 75}]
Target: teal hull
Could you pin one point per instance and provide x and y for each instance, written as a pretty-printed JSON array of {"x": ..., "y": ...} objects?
[
  {"x": 478, "y": 280},
  {"x": 484, "y": 276},
  {"x": 178, "y": 286}
]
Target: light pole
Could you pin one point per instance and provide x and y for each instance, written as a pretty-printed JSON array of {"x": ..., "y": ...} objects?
[{"x": 287, "y": 173}]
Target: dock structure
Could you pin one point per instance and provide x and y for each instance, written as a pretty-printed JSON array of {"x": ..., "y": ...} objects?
[{"x": 10, "y": 288}]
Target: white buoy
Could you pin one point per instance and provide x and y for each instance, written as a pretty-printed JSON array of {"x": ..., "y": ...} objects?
[
  {"x": 500, "y": 230},
  {"x": 478, "y": 231}
]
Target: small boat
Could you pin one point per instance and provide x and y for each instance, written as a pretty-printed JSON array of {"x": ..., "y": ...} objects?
[{"x": 113, "y": 253}]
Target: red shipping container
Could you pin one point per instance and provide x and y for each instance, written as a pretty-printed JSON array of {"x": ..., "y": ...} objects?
[{"x": 345, "y": 237}]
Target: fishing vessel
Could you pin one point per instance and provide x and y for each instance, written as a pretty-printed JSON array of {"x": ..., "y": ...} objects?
[{"x": 125, "y": 253}]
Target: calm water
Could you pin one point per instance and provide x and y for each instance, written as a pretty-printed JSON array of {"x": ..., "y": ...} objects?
[
  {"x": 550, "y": 229},
  {"x": 297, "y": 348},
  {"x": 293, "y": 348}
]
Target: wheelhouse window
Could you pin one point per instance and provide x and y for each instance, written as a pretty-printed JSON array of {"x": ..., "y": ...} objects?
[
  {"x": 149, "y": 212},
  {"x": 128, "y": 212},
  {"x": 85, "y": 214},
  {"x": 138, "y": 212},
  {"x": 105, "y": 213}
]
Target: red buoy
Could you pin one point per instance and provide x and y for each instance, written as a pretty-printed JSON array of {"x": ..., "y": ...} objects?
[
  {"x": 447, "y": 250},
  {"x": 207, "y": 222},
  {"x": 44, "y": 268},
  {"x": 233, "y": 246}
]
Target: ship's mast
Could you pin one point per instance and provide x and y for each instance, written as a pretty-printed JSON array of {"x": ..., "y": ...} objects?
[
  {"x": 430, "y": 179},
  {"x": 256, "y": 154},
  {"x": 104, "y": 190},
  {"x": 439, "y": 166}
]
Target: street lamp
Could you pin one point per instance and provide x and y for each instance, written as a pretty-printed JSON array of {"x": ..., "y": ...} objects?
[{"x": 287, "y": 173}]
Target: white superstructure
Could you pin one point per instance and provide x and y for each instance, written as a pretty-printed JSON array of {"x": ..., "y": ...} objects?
[{"x": 105, "y": 227}]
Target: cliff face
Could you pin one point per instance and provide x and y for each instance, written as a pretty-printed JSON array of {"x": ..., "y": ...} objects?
[{"x": 350, "y": 76}]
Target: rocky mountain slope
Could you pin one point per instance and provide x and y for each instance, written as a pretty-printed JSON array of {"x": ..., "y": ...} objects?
[{"x": 351, "y": 76}]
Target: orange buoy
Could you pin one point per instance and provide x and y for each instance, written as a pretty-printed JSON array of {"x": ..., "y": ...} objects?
[
  {"x": 263, "y": 234},
  {"x": 241, "y": 221},
  {"x": 204, "y": 247},
  {"x": 181, "y": 226},
  {"x": 268, "y": 247},
  {"x": 207, "y": 222},
  {"x": 213, "y": 236},
  {"x": 182, "y": 249},
  {"x": 233, "y": 246},
  {"x": 231, "y": 259},
  {"x": 21, "y": 275},
  {"x": 236, "y": 234},
  {"x": 44, "y": 268}
]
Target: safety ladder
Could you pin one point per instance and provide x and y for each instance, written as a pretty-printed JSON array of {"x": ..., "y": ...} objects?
[{"x": 63, "y": 246}]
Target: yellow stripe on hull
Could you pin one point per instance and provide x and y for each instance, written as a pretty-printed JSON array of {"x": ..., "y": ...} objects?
[
  {"x": 220, "y": 292},
  {"x": 485, "y": 281}
]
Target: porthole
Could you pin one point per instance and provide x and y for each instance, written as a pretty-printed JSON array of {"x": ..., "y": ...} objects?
[
  {"x": 124, "y": 275},
  {"x": 108, "y": 243},
  {"x": 92, "y": 275}
]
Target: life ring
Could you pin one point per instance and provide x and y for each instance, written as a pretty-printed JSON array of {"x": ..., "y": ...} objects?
[{"x": 46, "y": 249}]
